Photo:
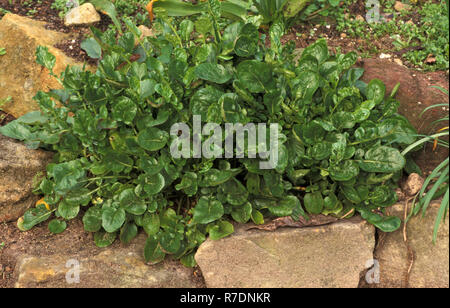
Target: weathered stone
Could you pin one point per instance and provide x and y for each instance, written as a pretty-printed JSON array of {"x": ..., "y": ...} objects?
[
  {"x": 413, "y": 184},
  {"x": 400, "y": 6},
  {"x": 415, "y": 94},
  {"x": 18, "y": 166},
  {"x": 85, "y": 14},
  {"x": 327, "y": 256},
  {"x": 430, "y": 266},
  {"x": 114, "y": 267},
  {"x": 20, "y": 76}
]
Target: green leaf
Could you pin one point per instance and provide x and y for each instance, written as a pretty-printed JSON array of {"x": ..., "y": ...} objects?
[
  {"x": 314, "y": 203},
  {"x": 203, "y": 99},
  {"x": 124, "y": 110},
  {"x": 220, "y": 230},
  {"x": 16, "y": 130},
  {"x": 151, "y": 224},
  {"x": 385, "y": 224},
  {"x": 152, "y": 250},
  {"x": 376, "y": 90},
  {"x": 68, "y": 211},
  {"x": 153, "y": 184},
  {"x": 256, "y": 76},
  {"x": 169, "y": 242},
  {"x": 92, "y": 48},
  {"x": 34, "y": 216},
  {"x": 108, "y": 8},
  {"x": 57, "y": 226},
  {"x": 153, "y": 139},
  {"x": 104, "y": 239},
  {"x": 213, "y": 72},
  {"x": 189, "y": 260},
  {"x": 257, "y": 217},
  {"x": 318, "y": 50},
  {"x": 344, "y": 171},
  {"x": 112, "y": 218},
  {"x": 208, "y": 209},
  {"x": 128, "y": 232},
  {"x": 242, "y": 213},
  {"x": 92, "y": 219},
  {"x": 285, "y": 206},
  {"x": 45, "y": 58},
  {"x": 383, "y": 159}
]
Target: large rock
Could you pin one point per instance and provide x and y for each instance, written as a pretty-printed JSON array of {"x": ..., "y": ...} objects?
[
  {"x": 327, "y": 256},
  {"x": 415, "y": 94},
  {"x": 82, "y": 15},
  {"x": 20, "y": 76},
  {"x": 18, "y": 166},
  {"x": 430, "y": 262},
  {"x": 115, "y": 267}
]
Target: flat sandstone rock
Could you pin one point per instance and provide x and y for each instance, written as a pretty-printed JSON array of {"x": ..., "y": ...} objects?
[{"x": 334, "y": 255}]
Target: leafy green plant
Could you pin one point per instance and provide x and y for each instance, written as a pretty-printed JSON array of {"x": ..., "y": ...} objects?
[
  {"x": 438, "y": 181},
  {"x": 2, "y": 51},
  {"x": 338, "y": 150}
]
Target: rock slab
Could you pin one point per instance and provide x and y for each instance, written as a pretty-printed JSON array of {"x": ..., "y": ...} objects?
[
  {"x": 334, "y": 255},
  {"x": 430, "y": 267},
  {"x": 113, "y": 267},
  {"x": 20, "y": 76},
  {"x": 18, "y": 167}
]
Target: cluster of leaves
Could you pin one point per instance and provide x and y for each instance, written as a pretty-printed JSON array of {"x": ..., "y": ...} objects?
[{"x": 338, "y": 148}]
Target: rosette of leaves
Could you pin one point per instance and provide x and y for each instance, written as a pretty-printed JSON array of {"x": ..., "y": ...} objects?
[{"x": 339, "y": 138}]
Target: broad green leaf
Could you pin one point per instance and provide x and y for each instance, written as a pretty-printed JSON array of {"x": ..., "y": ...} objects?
[
  {"x": 256, "y": 76},
  {"x": 45, "y": 58},
  {"x": 382, "y": 159},
  {"x": 128, "y": 232},
  {"x": 57, "y": 226},
  {"x": 151, "y": 224},
  {"x": 92, "y": 219},
  {"x": 152, "y": 250},
  {"x": 153, "y": 139},
  {"x": 104, "y": 239},
  {"x": 153, "y": 184},
  {"x": 384, "y": 223},
  {"x": 68, "y": 211},
  {"x": 92, "y": 48},
  {"x": 344, "y": 171},
  {"x": 376, "y": 90},
  {"x": 220, "y": 230},
  {"x": 213, "y": 72},
  {"x": 314, "y": 203},
  {"x": 207, "y": 210},
  {"x": 242, "y": 213},
  {"x": 112, "y": 218}
]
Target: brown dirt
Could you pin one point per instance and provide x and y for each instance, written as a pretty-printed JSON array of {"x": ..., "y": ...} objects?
[
  {"x": 38, "y": 242},
  {"x": 5, "y": 118},
  {"x": 45, "y": 13},
  {"x": 320, "y": 27}
]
